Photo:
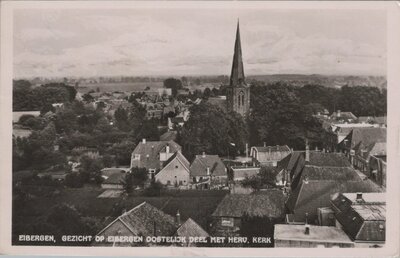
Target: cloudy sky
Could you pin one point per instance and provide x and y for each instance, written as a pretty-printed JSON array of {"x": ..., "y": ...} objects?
[{"x": 139, "y": 42}]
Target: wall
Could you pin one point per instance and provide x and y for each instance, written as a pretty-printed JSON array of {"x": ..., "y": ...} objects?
[{"x": 173, "y": 172}]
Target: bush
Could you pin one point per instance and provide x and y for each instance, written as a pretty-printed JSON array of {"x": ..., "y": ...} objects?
[
  {"x": 74, "y": 180},
  {"x": 154, "y": 189}
]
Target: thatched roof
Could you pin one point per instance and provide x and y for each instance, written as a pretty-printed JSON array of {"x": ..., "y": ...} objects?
[{"x": 267, "y": 204}]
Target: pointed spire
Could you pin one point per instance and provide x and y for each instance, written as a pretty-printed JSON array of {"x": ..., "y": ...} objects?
[{"x": 237, "y": 73}]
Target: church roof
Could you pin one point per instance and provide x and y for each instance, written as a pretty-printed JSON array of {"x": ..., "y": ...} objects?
[{"x": 237, "y": 73}]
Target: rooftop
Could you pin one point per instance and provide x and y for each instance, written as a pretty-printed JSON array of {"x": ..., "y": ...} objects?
[
  {"x": 266, "y": 204},
  {"x": 316, "y": 233}
]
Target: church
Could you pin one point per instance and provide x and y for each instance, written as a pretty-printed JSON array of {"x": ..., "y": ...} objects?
[{"x": 237, "y": 92}]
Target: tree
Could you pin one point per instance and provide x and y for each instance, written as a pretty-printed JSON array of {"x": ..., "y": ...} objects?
[
  {"x": 154, "y": 189},
  {"x": 214, "y": 131},
  {"x": 278, "y": 117},
  {"x": 174, "y": 84},
  {"x": 140, "y": 176},
  {"x": 87, "y": 97},
  {"x": 90, "y": 168},
  {"x": 121, "y": 118}
]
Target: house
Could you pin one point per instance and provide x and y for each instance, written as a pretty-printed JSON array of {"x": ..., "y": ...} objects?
[
  {"x": 153, "y": 154},
  {"x": 141, "y": 221},
  {"x": 114, "y": 181},
  {"x": 377, "y": 169},
  {"x": 229, "y": 214},
  {"x": 292, "y": 165},
  {"x": 362, "y": 216},
  {"x": 362, "y": 155},
  {"x": 239, "y": 173},
  {"x": 134, "y": 226},
  {"x": 208, "y": 171},
  {"x": 310, "y": 172},
  {"x": 358, "y": 142},
  {"x": 175, "y": 171},
  {"x": 309, "y": 236},
  {"x": 343, "y": 117},
  {"x": 304, "y": 201},
  {"x": 269, "y": 155},
  {"x": 190, "y": 229}
]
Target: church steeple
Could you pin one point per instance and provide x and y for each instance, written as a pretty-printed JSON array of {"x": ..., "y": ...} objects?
[{"x": 237, "y": 73}]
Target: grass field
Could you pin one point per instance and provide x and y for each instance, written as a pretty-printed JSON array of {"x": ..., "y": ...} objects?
[{"x": 196, "y": 204}]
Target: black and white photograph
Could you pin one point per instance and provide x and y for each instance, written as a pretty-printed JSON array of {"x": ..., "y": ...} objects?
[{"x": 200, "y": 125}]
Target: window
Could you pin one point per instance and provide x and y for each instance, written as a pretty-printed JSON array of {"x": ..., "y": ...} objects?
[
  {"x": 227, "y": 222},
  {"x": 137, "y": 156},
  {"x": 176, "y": 166}
]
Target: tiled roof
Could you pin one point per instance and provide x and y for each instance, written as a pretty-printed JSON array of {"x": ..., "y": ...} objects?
[
  {"x": 272, "y": 148},
  {"x": 307, "y": 197},
  {"x": 147, "y": 220},
  {"x": 115, "y": 179},
  {"x": 179, "y": 156},
  {"x": 317, "y": 233},
  {"x": 266, "y": 204},
  {"x": 367, "y": 136},
  {"x": 271, "y": 153},
  {"x": 213, "y": 162},
  {"x": 362, "y": 220},
  {"x": 149, "y": 153},
  {"x": 327, "y": 173},
  {"x": 191, "y": 229}
]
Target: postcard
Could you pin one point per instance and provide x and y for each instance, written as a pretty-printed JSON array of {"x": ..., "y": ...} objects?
[{"x": 191, "y": 128}]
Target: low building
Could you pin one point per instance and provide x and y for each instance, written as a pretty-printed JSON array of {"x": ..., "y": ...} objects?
[
  {"x": 308, "y": 236},
  {"x": 269, "y": 155},
  {"x": 145, "y": 220},
  {"x": 227, "y": 218},
  {"x": 362, "y": 216},
  {"x": 240, "y": 173},
  {"x": 175, "y": 172},
  {"x": 114, "y": 181},
  {"x": 304, "y": 201},
  {"x": 208, "y": 171},
  {"x": 142, "y": 220}
]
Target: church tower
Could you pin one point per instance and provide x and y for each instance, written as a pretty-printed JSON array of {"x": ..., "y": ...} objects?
[{"x": 238, "y": 92}]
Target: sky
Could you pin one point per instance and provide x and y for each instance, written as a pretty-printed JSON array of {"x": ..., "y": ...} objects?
[{"x": 166, "y": 42}]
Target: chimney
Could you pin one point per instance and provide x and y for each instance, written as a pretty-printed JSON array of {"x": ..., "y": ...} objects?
[
  {"x": 208, "y": 171},
  {"x": 359, "y": 197},
  {"x": 316, "y": 148},
  {"x": 247, "y": 150},
  {"x": 307, "y": 151},
  {"x": 265, "y": 145},
  {"x": 144, "y": 141},
  {"x": 306, "y": 229},
  {"x": 178, "y": 218},
  {"x": 167, "y": 149},
  {"x": 338, "y": 113},
  {"x": 203, "y": 154}
]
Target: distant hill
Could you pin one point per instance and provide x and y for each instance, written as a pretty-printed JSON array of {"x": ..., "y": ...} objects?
[{"x": 325, "y": 80}]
